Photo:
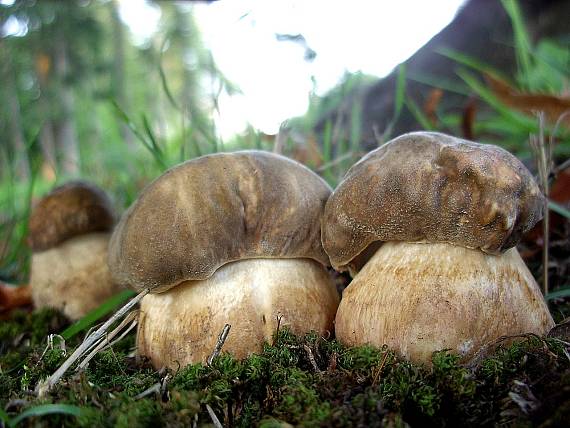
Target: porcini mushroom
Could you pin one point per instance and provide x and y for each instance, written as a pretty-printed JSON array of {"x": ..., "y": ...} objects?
[
  {"x": 225, "y": 238},
  {"x": 432, "y": 220},
  {"x": 69, "y": 231}
]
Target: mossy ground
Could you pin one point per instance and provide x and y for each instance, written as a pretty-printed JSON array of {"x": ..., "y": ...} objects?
[{"x": 306, "y": 381}]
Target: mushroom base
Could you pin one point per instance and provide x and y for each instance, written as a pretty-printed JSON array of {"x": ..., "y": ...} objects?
[
  {"x": 421, "y": 298},
  {"x": 182, "y": 325},
  {"x": 73, "y": 277}
]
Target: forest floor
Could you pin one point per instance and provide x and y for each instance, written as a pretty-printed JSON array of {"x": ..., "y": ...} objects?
[{"x": 308, "y": 381}]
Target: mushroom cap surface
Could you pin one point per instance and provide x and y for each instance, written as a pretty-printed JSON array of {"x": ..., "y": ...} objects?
[
  {"x": 73, "y": 209},
  {"x": 431, "y": 187},
  {"x": 216, "y": 209}
]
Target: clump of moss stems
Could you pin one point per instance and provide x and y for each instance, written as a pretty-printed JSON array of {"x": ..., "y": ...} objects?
[{"x": 305, "y": 381}]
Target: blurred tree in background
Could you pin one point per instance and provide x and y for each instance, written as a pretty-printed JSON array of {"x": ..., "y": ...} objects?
[{"x": 74, "y": 83}]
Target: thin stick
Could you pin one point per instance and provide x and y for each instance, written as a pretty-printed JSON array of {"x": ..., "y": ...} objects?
[
  {"x": 312, "y": 358},
  {"x": 221, "y": 340},
  {"x": 213, "y": 416},
  {"x": 153, "y": 389},
  {"x": 335, "y": 162},
  {"x": 108, "y": 340},
  {"x": 543, "y": 154},
  {"x": 43, "y": 387}
]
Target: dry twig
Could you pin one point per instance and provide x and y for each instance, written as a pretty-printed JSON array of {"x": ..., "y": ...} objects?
[
  {"x": 542, "y": 149},
  {"x": 43, "y": 387},
  {"x": 213, "y": 416},
  {"x": 312, "y": 358},
  {"x": 105, "y": 342},
  {"x": 221, "y": 340}
]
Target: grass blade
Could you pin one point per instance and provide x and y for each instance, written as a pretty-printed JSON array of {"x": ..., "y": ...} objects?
[
  {"x": 400, "y": 96},
  {"x": 150, "y": 146},
  {"x": 106, "y": 307},
  {"x": 517, "y": 119},
  {"x": 46, "y": 409},
  {"x": 561, "y": 292},
  {"x": 5, "y": 418},
  {"x": 419, "y": 115},
  {"x": 156, "y": 151},
  {"x": 439, "y": 82},
  {"x": 559, "y": 209},
  {"x": 521, "y": 39},
  {"x": 472, "y": 63},
  {"x": 166, "y": 88}
]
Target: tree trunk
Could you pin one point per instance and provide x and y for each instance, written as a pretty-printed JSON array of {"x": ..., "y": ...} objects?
[
  {"x": 20, "y": 152},
  {"x": 119, "y": 82},
  {"x": 67, "y": 144}
]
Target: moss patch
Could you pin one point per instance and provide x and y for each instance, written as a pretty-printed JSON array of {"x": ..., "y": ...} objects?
[{"x": 306, "y": 381}]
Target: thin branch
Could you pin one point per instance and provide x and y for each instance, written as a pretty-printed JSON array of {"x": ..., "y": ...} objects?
[
  {"x": 106, "y": 341},
  {"x": 44, "y": 387},
  {"x": 221, "y": 340},
  {"x": 340, "y": 159},
  {"x": 312, "y": 358},
  {"x": 542, "y": 149},
  {"x": 153, "y": 389}
]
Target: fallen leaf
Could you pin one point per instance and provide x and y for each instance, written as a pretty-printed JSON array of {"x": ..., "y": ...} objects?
[
  {"x": 14, "y": 296},
  {"x": 430, "y": 106},
  {"x": 554, "y": 107},
  {"x": 468, "y": 119}
]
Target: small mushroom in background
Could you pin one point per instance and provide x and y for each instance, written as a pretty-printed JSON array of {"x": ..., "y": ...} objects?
[
  {"x": 427, "y": 224},
  {"x": 226, "y": 238},
  {"x": 69, "y": 232}
]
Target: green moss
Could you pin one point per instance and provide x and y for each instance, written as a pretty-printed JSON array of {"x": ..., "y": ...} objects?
[
  {"x": 30, "y": 328},
  {"x": 304, "y": 381}
]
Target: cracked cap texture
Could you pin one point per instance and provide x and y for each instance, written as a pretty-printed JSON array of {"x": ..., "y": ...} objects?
[
  {"x": 216, "y": 209},
  {"x": 431, "y": 187}
]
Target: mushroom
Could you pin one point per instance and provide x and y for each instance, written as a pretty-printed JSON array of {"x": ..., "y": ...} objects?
[
  {"x": 225, "y": 238},
  {"x": 427, "y": 224},
  {"x": 69, "y": 231}
]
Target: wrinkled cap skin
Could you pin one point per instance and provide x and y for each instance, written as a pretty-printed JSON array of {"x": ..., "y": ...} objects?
[
  {"x": 73, "y": 209},
  {"x": 431, "y": 187},
  {"x": 214, "y": 210}
]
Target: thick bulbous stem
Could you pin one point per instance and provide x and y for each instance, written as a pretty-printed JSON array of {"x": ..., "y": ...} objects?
[
  {"x": 181, "y": 325},
  {"x": 420, "y": 298},
  {"x": 73, "y": 277}
]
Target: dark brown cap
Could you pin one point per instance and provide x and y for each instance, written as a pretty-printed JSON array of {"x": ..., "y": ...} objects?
[
  {"x": 70, "y": 210},
  {"x": 431, "y": 187},
  {"x": 214, "y": 210}
]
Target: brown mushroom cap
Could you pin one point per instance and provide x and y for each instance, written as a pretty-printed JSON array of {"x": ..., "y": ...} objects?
[
  {"x": 71, "y": 210},
  {"x": 214, "y": 210},
  {"x": 431, "y": 187}
]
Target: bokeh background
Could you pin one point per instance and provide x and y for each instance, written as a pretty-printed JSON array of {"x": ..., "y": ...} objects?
[{"x": 117, "y": 91}]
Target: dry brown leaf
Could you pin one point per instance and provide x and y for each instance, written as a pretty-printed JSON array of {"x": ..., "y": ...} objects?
[
  {"x": 430, "y": 106},
  {"x": 553, "y": 106},
  {"x": 14, "y": 296}
]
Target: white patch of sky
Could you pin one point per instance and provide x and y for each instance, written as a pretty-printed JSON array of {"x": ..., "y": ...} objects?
[
  {"x": 362, "y": 35},
  {"x": 14, "y": 27}
]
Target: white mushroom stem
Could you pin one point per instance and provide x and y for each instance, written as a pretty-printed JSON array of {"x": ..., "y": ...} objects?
[
  {"x": 421, "y": 298},
  {"x": 181, "y": 326},
  {"x": 73, "y": 276}
]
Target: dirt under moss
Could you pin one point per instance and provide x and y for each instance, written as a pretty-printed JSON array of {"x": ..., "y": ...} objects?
[{"x": 308, "y": 381}]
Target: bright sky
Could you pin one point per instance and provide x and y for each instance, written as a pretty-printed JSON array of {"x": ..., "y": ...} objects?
[{"x": 361, "y": 35}]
